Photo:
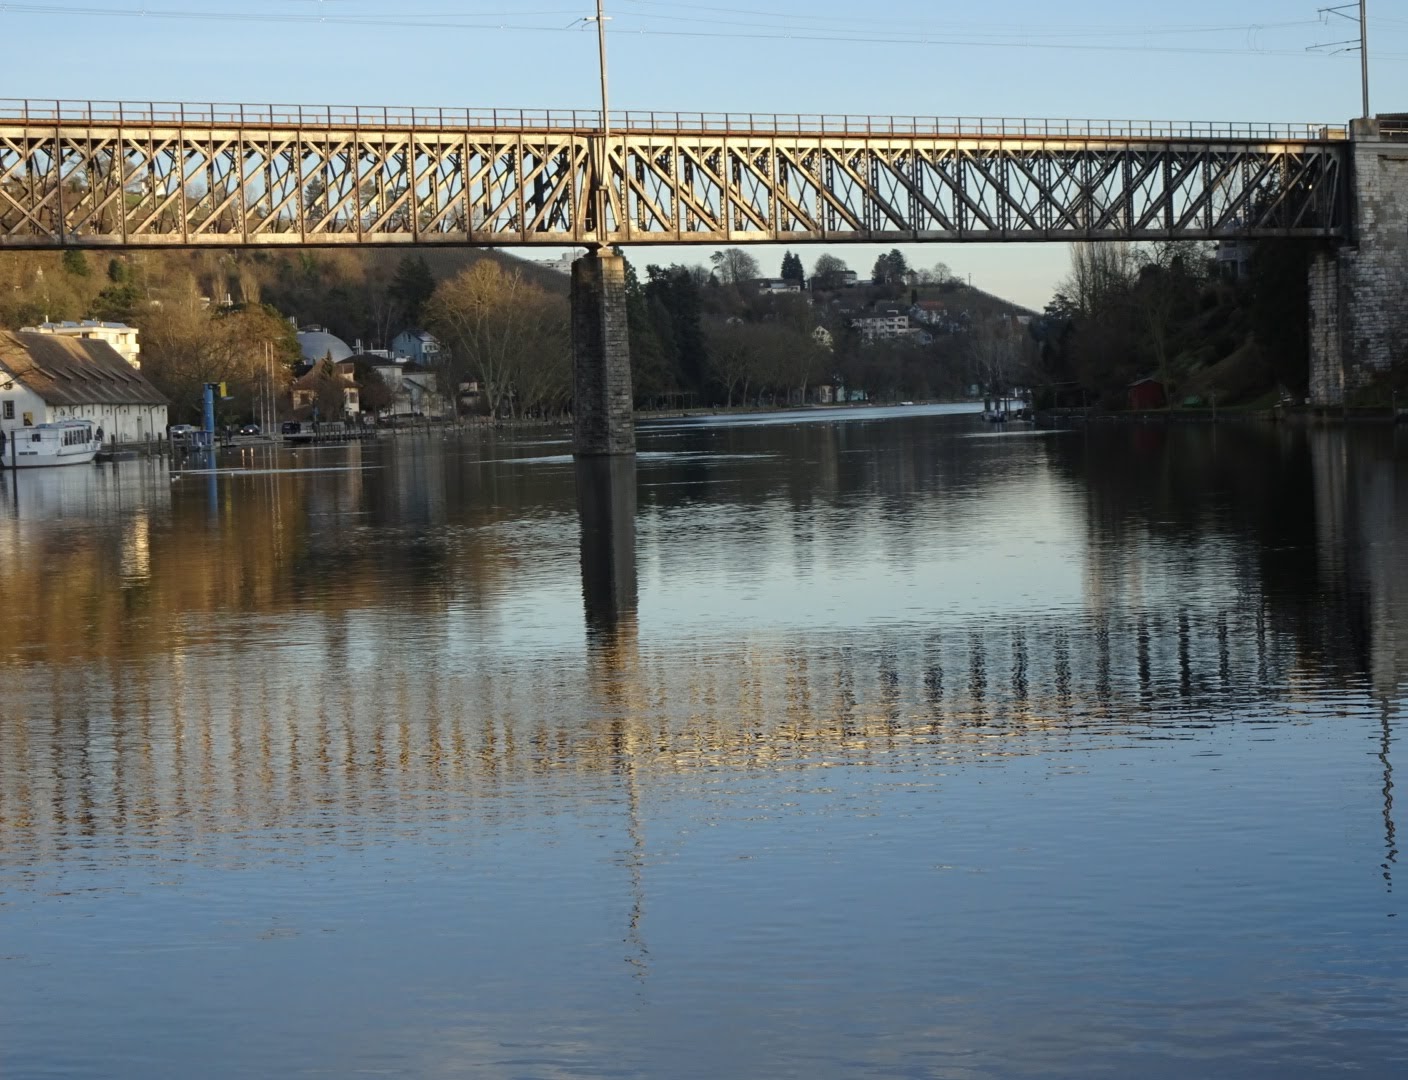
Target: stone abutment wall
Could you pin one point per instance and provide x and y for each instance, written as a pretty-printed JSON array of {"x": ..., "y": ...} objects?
[{"x": 1359, "y": 291}]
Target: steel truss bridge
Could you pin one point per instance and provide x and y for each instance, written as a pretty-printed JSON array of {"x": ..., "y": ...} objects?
[{"x": 87, "y": 174}]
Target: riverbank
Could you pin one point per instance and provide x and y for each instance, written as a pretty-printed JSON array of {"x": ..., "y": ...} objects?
[
  {"x": 1300, "y": 414},
  {"x": 485, "y": 423}
]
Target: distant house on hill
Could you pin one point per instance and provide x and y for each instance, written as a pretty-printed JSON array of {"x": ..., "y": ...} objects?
[
  {"x": 882, "y": 325},
  {"x": 563, "y": 263},
  {"x": 835, "y": 279},
  {"x": 1233, "y": 258},
  {"x": 308, "y": 387},
  {"x": 419, "y": 345},
  {"x": 779, "y": 285},
  {"x": 46, "y": 377},
  {"x": 414, "y": 390}
]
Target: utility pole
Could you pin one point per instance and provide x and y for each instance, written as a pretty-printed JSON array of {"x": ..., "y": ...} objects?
[
  {"x": 601, "y": 200},
  {"x": 1363, "y": 54},
  {"x": 601, "y": 356},
  {"x": 1349, "y": 46}
]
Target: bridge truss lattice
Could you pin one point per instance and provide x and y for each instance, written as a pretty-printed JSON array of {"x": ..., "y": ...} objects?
[{"x": 126, "y": 176}]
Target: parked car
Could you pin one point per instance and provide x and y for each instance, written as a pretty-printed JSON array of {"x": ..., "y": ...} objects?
[
  {"x": 181, "y": 432},
  {"x": 249, "y": 429}
]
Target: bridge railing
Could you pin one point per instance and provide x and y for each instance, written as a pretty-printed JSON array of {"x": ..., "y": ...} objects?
[{"x": 392, "y": 117}]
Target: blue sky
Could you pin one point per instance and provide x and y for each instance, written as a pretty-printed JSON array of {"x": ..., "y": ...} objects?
[{"x": 1236, "y": 60}]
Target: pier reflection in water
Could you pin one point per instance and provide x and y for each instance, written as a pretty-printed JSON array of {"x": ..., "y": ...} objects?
[{"x": 871, "y": 744}]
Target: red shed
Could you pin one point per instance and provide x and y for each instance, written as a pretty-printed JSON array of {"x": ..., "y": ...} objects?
[{"x": 1147, "y": 394}]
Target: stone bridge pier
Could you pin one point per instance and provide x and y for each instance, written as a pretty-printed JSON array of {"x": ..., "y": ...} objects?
[
  {"x": 1359, "y": 290},
  {"x": 602, "y": 420}
]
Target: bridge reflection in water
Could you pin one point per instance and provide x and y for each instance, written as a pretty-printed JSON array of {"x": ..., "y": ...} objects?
[
  {"x": 606, "y": 506},
  {"x": 856, "y": 734},
  {"x": 344, "y": 652}
]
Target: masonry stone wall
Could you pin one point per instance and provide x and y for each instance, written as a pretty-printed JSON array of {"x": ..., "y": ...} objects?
[
  {"x": 601, "y": 357},
  {"x": 1326, "y": 357},
  {"x": 1359, "y": 292}
]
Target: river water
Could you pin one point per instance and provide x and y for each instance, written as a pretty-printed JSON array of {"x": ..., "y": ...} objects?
[{"x": 866, "y": 743}]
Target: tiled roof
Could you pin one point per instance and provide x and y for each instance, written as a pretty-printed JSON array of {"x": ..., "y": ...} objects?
[{"x": 74, "y": 371}]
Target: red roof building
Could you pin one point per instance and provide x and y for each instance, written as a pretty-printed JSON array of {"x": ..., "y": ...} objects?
[{"x": 1147, "y": 394}]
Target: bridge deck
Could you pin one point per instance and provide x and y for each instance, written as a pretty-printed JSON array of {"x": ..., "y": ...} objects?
[{"x": 587, "y": 122}]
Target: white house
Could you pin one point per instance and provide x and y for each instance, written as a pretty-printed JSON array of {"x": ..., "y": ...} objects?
[
  {"x": 47, "y": 377},
  {"x": 414, "y": 391},
  {"x": 1234, "y": 258},
  {"x": 419, "y": 345},
  {"x": 779, "y": 285},
  {"x": 882, "y": 326},
  {"x": 120, "y": 336},
  {"x": 563, "y": 263}
]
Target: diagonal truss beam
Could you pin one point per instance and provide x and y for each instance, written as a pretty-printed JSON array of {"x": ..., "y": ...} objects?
[{"x": 89, "y": 183}]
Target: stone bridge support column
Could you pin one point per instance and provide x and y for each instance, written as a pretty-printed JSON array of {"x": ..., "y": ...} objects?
[
  {"x": 1359, "y": 291},
  {"x": 601, "y": 357}
]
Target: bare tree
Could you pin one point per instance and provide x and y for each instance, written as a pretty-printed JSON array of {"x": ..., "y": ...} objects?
[
  {"x": 501, "y": 331},
  {"x": 735, "y": 266},
  {"x": 1002, "y": 353},
  {"x": 1097, "y": 271},
  {"x": 939, "y": 274},
  {"x": 186, "y": 344},
  {"x": 828, "y": 271},
  {"x": 733, "y": 355}
]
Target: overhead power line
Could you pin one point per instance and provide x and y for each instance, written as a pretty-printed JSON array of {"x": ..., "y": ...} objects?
[{"x": 722, "y": 29}]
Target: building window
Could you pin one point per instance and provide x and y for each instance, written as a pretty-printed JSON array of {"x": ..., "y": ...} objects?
[{"x": 9, "y": 410}]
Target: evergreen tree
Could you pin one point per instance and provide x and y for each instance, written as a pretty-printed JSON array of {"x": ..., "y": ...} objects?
[
  {"x": 651, "y": 373},
  {"x": 412, "y": 286},
  {"x": 674, "y": 295},
  {"x": 75, "y": 263},
  {"x": 792, "y": 269},
  {"x": 890, "y": 268},
  {"x": 116, "y": 303},
  {"x": 899, "y": 268}
]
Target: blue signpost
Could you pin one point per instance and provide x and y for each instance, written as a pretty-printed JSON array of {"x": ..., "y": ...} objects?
[{"x": 210, "y": 389}]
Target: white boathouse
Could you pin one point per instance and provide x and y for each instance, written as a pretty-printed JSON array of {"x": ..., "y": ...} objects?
[{"x": 47, "y": 377}]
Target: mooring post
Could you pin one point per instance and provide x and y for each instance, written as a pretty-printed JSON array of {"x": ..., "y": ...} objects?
[{"x": 601, "y": 357}]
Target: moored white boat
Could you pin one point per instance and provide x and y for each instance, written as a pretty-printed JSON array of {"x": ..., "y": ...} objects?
[{"x": 65, "y": 442}]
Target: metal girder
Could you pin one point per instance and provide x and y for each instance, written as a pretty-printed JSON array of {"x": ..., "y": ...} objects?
[{"x": 91, "y": 183}]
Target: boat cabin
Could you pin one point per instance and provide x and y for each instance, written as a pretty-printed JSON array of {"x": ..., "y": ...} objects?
[{"x": 67, "y": 442}]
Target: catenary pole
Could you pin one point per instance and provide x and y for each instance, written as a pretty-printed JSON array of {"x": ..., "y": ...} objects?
[
  {"x": 1363, "y": 54},
  {"x": 603, "y": 164}
]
